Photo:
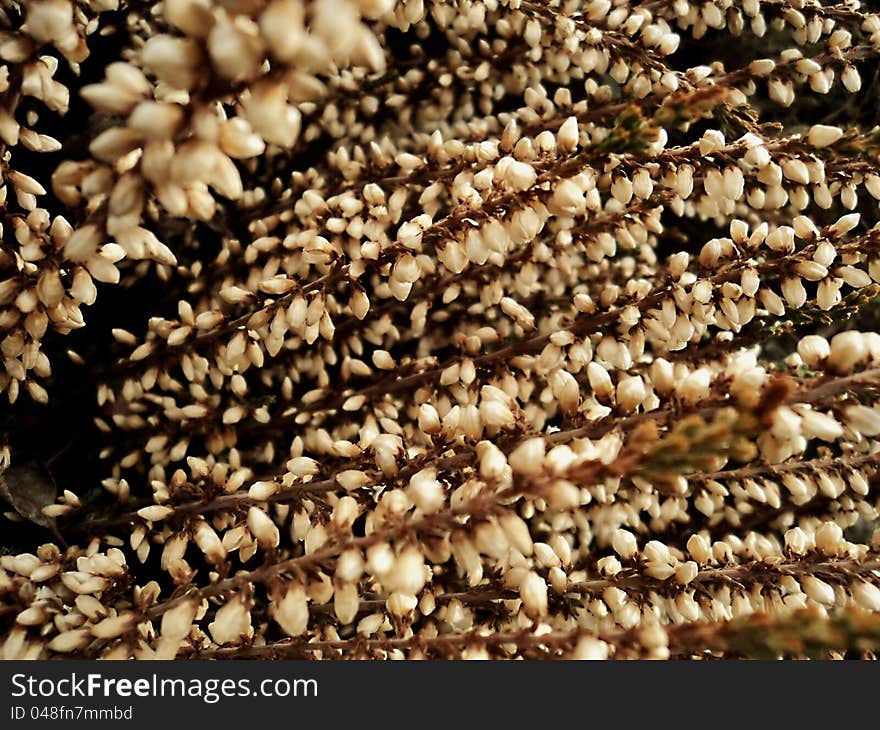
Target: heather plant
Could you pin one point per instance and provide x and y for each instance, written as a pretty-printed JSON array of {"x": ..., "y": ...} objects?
[{"x": 423, "y": 329}]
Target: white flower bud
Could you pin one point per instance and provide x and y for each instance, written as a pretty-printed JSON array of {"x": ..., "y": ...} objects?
[
  {"x": 866, "y": 595},
  {"x": 496, "y": 414},
  {"x": 380, "y": 559},
  {"x": 804, "y": 228},
  {"x": 810, "y": 270},
  {"x": 822, "y": 135},
  {"x": 70, "y": 641},
  {"x": 624, "y": 544},
  {"x": 600, "y": 380},
  {"x": 407, "y": 575},
  {"x": 263, "y": 529},
  {"x": 820, "y": 425},
  {"x": 207, "y": 540},
  {"x": 519, "y": 175},
  {"x": 346, "y": 602},
  {"x": 177, "y": 622},
  {"x": 851, "y": 79},
  {"x": 695, "y": 387},
  {"x": 528, "y": 457},
  {"x": 429, "y": 419},
  {"x": 568, "y": 135},
  {"x": 863, "y": 419},
  {"x": 686, "y": 572},
  {"x": 401, "y": 604},
  {"x": 351, "y": 479},
  {"x": 699, "y": 549},
  {"x": 155, "y": 512},
  {"x": 232, "y": 622},
  {"x": 425, "y": 491},
  {"x": 513, "y": 309},
  {"x": 566, "y": 390},
  {"x": 517, "y": 532},
  {"x": 292, "y": 611},
  {"x": 622, "y": 189},
  {"x": 711, "y": 141},
  {"x": 589, "y": 648},
  {"x": 630, "y": 393},
  {"x": 848, "y": 349},
  {"x": 796, "y": 541},
  {"x": 301, "y": 466},
  {"x": 829, "y": 538},
  {"x": 359, "y": 303},
  {"x": 762, "y": 67},
  {"x": 794, "y": 292},
  {"x": 533, "y": 591},
  {"x": 382, "y": 359},
  {"x": 818, "y": 590},
  {"x": 813, "y": 350}
]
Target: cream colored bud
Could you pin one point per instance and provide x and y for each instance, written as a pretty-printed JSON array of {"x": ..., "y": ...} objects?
[
  {"x": 631, "y": 393},
  {"x": 699, "y": 549},
  {"x": 302, "y": 466},
  {"x": 346, "y": 602},
  {"x": 351, "y": 479},
  {"x": 813, "y": 349},
  {"x": 822, "y": 135},
  {"x": 155, "y": 120},
  {"x": 350, "y": 566},
  {"x": 425, "y": 491},
  {"x": 174, "y": 60},
  {"x": 624, "y": 544},
  {"x": 848, "y": 349},
  {"x": 380, "y": 559},
  {"x": 401, "y": 604},
  {"x": 622, "y": 189},
  {"x": 519, "y": 175},
  {"x": 263, "y": 529},
  {"x": 818, "y": 590},
  {"x": 600, "y": 380},
  {"x": 711, "y": 141},
  {"x": 811, "y": 270},
  {"x": 533, "y": 591},
  {"x": 568, "y": 135},
  {"x": 804, "y": 228},
  {"x": 235, "y": 49},
  {"x": 829, "y": 538},
  {"x": 866, "y": 595},
  {"x": 496, "y": 414},
  {"x": 70, "y": 641},
  {"x": 696, "y": 386},
  {"x": 292, "y": 611},
  {"x": 155, "y": 512},
  {"x": 359, "y": 303},
  {"x": 232, "y": 623},
  {"x": 566, "y": 390},
  {"x": 523, "y": 317},
  {"x": 816, "y": 424},
  {"x": 686, "y": 572},
  {"x": 863, "y": 419},
  {"x": 209, "y": 542},
  {"x": 407, "y": 575},
  {"x": 517, "y": 532},
  {"x": 50, "y": 21},
  {"x": 528, "y": 457},
  {"x": 794, "y": 292},
  {"x": 177, "y": 622},
  {"x": 382, "y": 359},
  {"x": 796, "y": 541}
]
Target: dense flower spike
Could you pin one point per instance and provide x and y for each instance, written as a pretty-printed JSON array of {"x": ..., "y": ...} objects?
[{"x": 413, "y": 329}]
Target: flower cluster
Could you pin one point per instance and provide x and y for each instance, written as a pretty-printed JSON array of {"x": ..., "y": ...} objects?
[{"x": 482, "y": 329}]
